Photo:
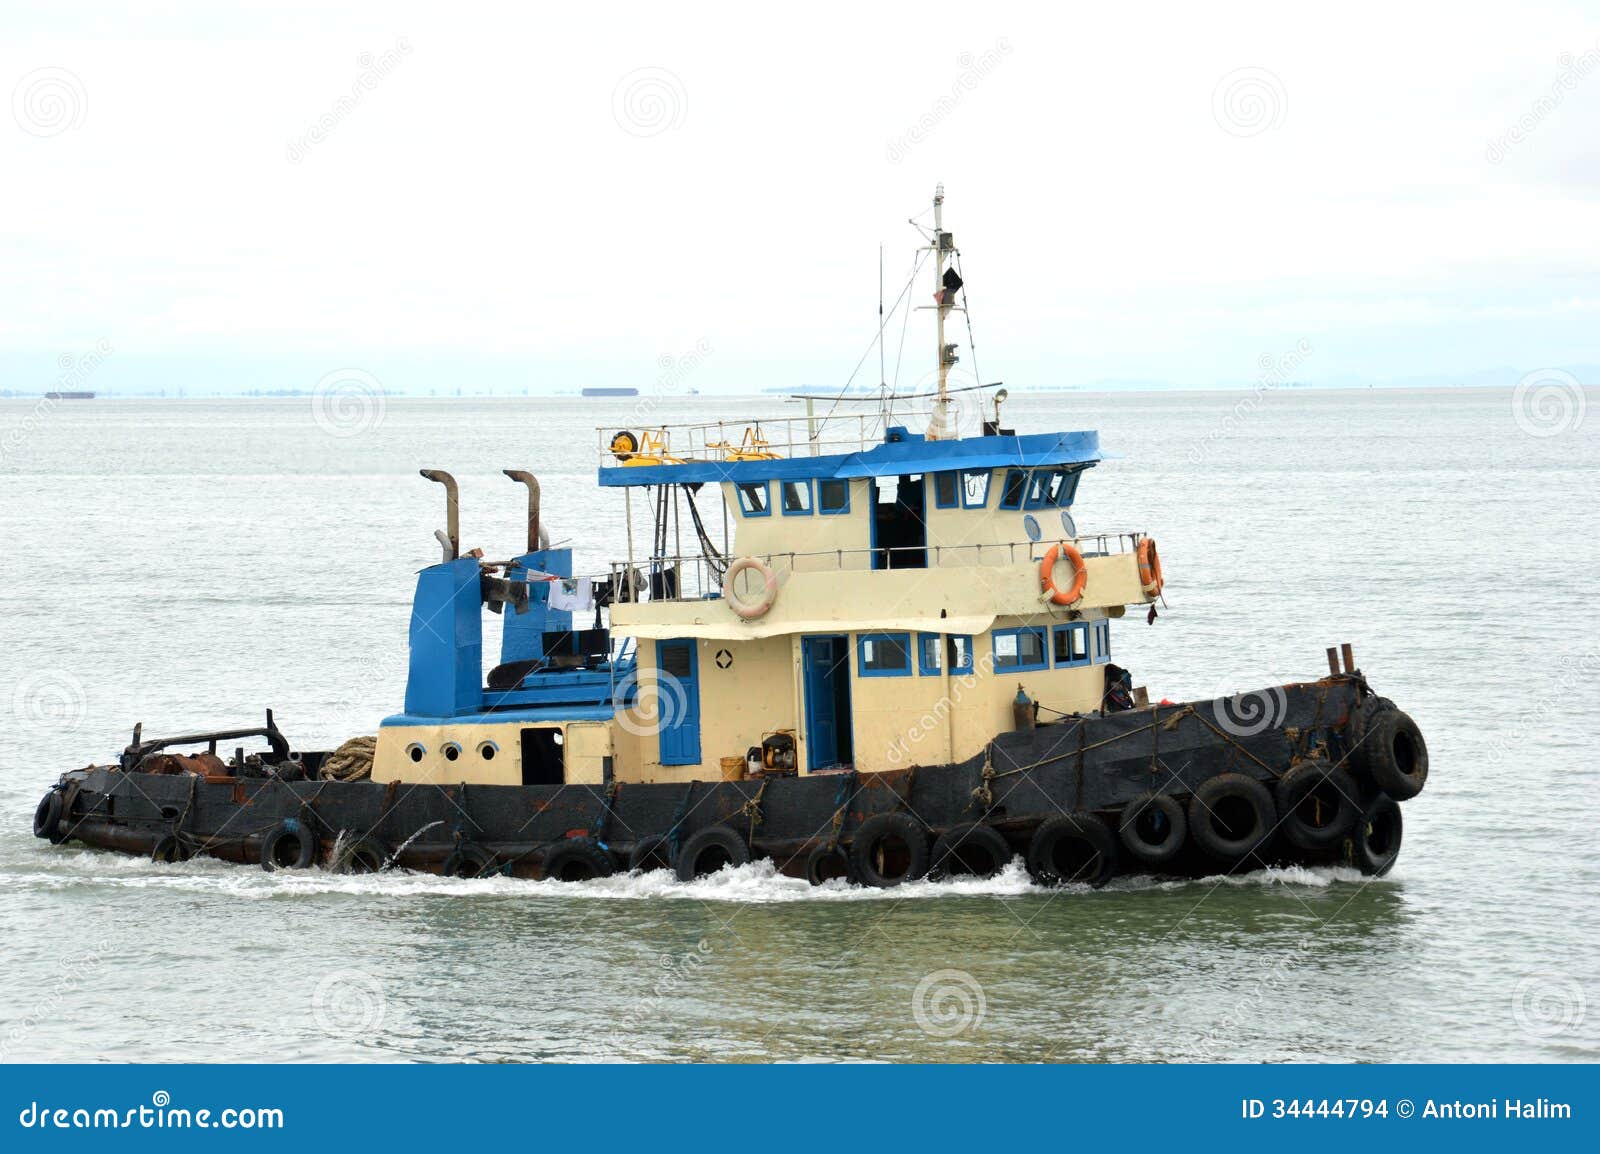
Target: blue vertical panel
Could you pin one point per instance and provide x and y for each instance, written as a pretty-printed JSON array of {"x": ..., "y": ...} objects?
[
  {"x": 522, "y": 634},
  {"x": 446, "y": 674},
  {"x": 679, "y": 702}
]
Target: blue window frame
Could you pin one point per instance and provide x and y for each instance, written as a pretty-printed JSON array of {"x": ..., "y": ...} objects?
[
  {"x": 833, "y": 495},
  {"x": 1016, "y": 485},
  {"x": 796, "y": 497},
  {"x": 1068, "y": 488},
  {"x": 1019, "y": 649},
  {"x": 1039, "y": 491},
  {"x": 883, "y": 655},
  {"x": 975, "y": 488},
  {"x": 947, "y": 490},
  {"x": 755, "y": 498},
  {"x": 1102, "y": 641},
  {"x": 937, "y": 650},
  {"x": 1071, "y": 644}
]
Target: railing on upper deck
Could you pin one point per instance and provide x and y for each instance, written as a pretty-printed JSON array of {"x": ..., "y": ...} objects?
[
  {"x": 694, "y": 577},
  {"x": 757, "y": 440}
]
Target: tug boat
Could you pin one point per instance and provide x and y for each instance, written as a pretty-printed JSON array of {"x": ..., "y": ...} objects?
[{"x": 896, "y": 663}]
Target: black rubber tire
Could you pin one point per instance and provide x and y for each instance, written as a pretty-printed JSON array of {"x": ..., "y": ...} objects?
[
  {"x": 1073, "y": 848},
  {"x": 650, "y": 853},
  {"x": 170, "y": 850},
  {"x": 890, "y": 849},
  {"x": 578, "y": 859},
  {"x": 469, "y": 860},
  {"x": 709, "y": 850},
  {"x": 974, "y": 850},
  {"x": 1397, "y": 756},
  {"x": 367, "y": 855},
  {"x": 290, "y": 845},
  {"x": 1317, "y": 804},
  {"x": 47, "y": 817},
  {"x": 1231, "y": 816},
  {"x": 1153, "y": 828},
  {"x": 1375, "y": 840},
  {"x": 827, "y": 863}
]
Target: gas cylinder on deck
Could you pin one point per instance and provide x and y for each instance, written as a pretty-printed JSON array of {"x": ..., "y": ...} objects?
[{"x": 1022, "y": 711}]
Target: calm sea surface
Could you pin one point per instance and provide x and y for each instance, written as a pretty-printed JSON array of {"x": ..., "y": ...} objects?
[{"x": 188, "y": 564}]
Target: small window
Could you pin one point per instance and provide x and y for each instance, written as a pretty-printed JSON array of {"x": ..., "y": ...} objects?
[
  {"x": 833, "y": 496},
  {"x": 1011, "y": 495},
  {"x": 1072, "y": 643},
  {"x": 1019, "y": 648},
  {"x": 884, "y": 655},
  {"x": 1102, "y": 637},
  {"x": 929, "y": 654},
  {"x": 754, "y": 499},
  {"x": 945, "y": 491},
  {"x": 1068, "y": 488},
  {"x": 1038, "y": 487},
  {"x": 796, "y": 498},
  {"x": 958, "y": 652},
  {"x": 975, "y": 488}
]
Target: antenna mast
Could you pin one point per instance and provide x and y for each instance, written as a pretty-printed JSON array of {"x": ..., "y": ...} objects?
[
  {"x": 883, "y": 377},
  {"x": 939, "y": 429}
]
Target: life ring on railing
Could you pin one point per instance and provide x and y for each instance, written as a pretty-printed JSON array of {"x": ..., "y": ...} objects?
[
  {"x": 1061, "y": 551},
  {"x": 1150, "y": 578},
  {"x": 749, "y": 610}
]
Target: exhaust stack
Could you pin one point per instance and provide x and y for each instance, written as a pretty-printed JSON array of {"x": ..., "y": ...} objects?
[{"x": 451, "y": 539}]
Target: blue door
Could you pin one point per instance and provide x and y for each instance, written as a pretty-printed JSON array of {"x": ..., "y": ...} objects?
[
  {"x": 679, "y": 702},
  {"x": 827, "y": 686}
]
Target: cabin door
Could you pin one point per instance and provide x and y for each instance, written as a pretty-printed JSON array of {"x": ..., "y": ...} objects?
[
  {"x": 678, "y": 702},
  {"x": 899, "y": 523},
  {"x": 827, "y": 687}
]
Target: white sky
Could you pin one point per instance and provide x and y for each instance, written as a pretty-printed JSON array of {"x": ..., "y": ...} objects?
[{"x": 482, "y": 217}]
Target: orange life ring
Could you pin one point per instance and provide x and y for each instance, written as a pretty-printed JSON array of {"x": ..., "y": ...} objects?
[
  {"x": 1150, "y": 578},
  {"x": 749, "y": 610},
  {"x": 1047, "y": 573}
]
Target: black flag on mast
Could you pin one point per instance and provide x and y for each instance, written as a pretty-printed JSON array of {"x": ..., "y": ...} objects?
[{"x": 952, "y": 284}]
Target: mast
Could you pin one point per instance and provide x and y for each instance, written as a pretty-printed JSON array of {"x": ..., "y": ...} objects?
[{"x": 939, "y": 429}]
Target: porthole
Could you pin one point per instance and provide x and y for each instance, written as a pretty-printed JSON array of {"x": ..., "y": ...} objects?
[
  {"x": 451, "y": 751},
  {"x": 1030, "y": 526},
  {"x": 415, "y": 751},
  {"x": 1069, "y": 525},
  {"x": 487, "y": 750}
]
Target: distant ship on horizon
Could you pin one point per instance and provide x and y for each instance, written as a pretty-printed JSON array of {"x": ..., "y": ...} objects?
[
  {"x": 609, "y": 391},
  {"x": 69, "y": 396}
]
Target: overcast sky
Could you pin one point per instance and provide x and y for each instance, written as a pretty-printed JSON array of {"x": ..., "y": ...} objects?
[{"x": 546, "y": 196}]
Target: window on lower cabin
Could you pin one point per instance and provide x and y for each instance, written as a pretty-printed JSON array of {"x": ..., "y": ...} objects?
[
  {"x": 833, "y": 496},
  {"x": 958, "y": 652},
  {"x": 1016, "y": 484},
  {"x": 796, "y": 498},
  {"x": 1071, "y": 643},
  {"x": 929, "y": 653},
  {"x": 884, "y": 654},
  {"x": 946, "y": 493},
  {"x": 975, "y": 488},
  {"x": 754, "y": 499},
  {"x": 1102, "y": 636},
  {"x": 1019, "y": 648}
]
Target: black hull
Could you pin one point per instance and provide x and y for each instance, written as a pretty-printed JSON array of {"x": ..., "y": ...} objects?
[{"x": 1089, "y": 765}]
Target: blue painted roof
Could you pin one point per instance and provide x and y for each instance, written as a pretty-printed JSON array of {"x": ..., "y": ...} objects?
[{"x": 904, "y": 454}]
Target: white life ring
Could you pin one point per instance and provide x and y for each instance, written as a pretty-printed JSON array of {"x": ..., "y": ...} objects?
[{"x": 749, "y": 610}]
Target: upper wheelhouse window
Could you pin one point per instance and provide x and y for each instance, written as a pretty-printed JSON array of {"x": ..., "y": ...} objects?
[
  {"x": 833, "y": 496},
  {"x": 975, "y": 488},
  {"x": 755, "y": 499},
  {"x": 796, "y": 498},
  {"x": 945, "y": 490},
  {"x": 1015, "y": 486}
]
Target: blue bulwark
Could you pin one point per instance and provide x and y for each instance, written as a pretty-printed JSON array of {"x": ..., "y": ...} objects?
[
  {"x": 522, "y": 634},
  {"x": 446, "y": 673},
  {"x": 908, "y": 453}
]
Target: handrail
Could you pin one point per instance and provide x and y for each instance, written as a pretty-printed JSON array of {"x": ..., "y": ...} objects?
[{"x": 742, "y": 440}]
